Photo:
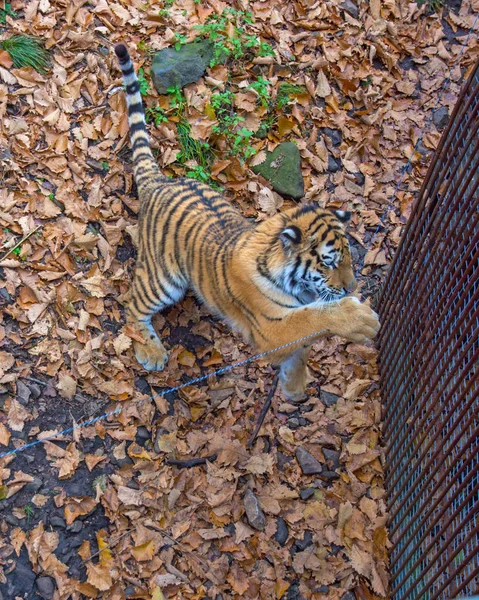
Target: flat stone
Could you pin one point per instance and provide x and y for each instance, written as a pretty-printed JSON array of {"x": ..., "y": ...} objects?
[
  {"x": 75, "y": 527},
  {"x": 57, "y": 521},
  {"x": 177, "y": 68},
  {"x": 328, "y": 399},
  {"x": 334, "y": 164},
  {"x": 293, "y": 423},
  {"x": 23, "y": 392},
  {"x": 282, "y": 168},
  {"x": 45, "y": 587},
  {"x": 309, "y": 465},
  {"x": 323, "y": 589},
  {"x": 351, "y": 8},
  {"x": 254, "y": 513},
  {"x": 35, "y": 485},
  {"x": 328, "y": 476},
  {"x": 143, "y": 433},
  {"x": 305, "y": 542},
  {"x": 332, "y": 458},
  {"x": 20, "y": 582},
  {"x": 282, "y": 531},
  {"x": 348, "y": 596},
  {"x": 334, "y": 135},
  {"x": 307, "y": 493},
  {"x": 441, "y": 117}
]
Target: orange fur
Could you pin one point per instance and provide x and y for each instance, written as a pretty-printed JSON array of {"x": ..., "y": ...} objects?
[{"x": 284, "y": 279}]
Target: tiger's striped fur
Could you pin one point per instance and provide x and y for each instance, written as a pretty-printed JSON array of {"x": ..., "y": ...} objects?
[{"x": 283, "y": 279}]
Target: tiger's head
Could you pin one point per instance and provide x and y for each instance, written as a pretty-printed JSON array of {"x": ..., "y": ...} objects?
[{"x": 308, "y": 254}]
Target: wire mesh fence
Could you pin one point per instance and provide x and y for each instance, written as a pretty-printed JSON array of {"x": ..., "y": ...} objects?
[{"x": 429, "y": 363}]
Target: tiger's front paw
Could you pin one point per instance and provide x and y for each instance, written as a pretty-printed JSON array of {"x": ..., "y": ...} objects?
[
  {"x": 151, "y": 355},
  {"x": 357, "y": 322}
]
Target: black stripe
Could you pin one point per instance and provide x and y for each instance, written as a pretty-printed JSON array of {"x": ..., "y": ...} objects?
[
  {"x": 128, "y": 70},
  {"x": 132, "y": 88}
]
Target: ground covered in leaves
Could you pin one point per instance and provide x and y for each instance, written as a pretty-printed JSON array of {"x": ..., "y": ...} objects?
[{"x": 101, "y": 512}]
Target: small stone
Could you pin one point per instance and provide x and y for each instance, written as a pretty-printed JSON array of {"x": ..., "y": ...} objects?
[
  {"x": 441, "y": 117},
  {"x": 12, "y": 520},
  {"x": 23, "y": 392},
  {"x": 335, "y": 549},
  {"x": 282, "y": 168},
  {"x": 143, "y": 433},
  {"x": 130, "y": 591},
  {"x": 305, "y": 542},
  {"x": 293, "y": 592},
  {"x": 323, "y": 589},
  {"x": 133, "y": 485},
  {"x": 29, "y": 458},
  {"x": 57, "y": 521},
  {"x": 75, "y": 527},
  {"x": 351, "y": 8},
  {"x": 309, "y": 465},
  {"x": 34, "y": 485},
  {"x": 293, "y": 423},
  {"x": 4, "y": 295},
  {"x": 334, "y": 164},
  {"x": 171, "y": 67},
  {"x": 332, "y": 458},
  {"x": 328, "y": 476},
  {"x": 348, "y": 596},
  {"x": 254, "y": 512},
  {"x": 45, "y": 587},
  {"x": 334, "y": 135},
  {"x": 328, "y": 399},
  {"x": 283, "y": 460},
  {"x": 282, "y": 531},
  {"x": 307, "y": 493}
]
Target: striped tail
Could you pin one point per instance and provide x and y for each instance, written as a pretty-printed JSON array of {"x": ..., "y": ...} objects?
[{"x": 143, "y": 161}]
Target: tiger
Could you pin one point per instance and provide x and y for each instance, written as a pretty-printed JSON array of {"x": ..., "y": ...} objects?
[{"x": 276, "y": 281}]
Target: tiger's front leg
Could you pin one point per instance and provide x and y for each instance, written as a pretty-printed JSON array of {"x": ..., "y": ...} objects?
[{"x": 294, "y": 374}]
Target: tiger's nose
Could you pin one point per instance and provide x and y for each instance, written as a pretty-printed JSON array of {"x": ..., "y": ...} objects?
[{"x": 350, "y": 287}]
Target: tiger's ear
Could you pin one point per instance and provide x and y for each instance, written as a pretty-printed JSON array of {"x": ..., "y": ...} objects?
[
  {"x": 342, "y": 215},
  {"x": 291, "y": 236}
]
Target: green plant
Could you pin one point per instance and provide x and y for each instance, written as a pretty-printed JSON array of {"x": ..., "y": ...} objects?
[
  {"x": 17, "y": 251},
  {"x": 28, "y": 509},
  {"x": 260, "y": 86},
  {"x": 105, "y": 166},
  {"x": 286, "y": 91},
  {"x": 266, "y": 125},
  {"x": 366, "y": 82},
  {"x": 433, "y": 5},
  {"x": 241, "y": 143},
  {"x": 155, "y": 114},
  {"x": 27, "y": 51},
  {"x": 218, "y": 29},
  {"x": 191, "y": 149},
  {"x": 5, "y": 12},
  {"x": 51, "y": 196},
  {"x": 178, "y": 101},
  {"x": 180, "y": 40},
  {"x": 144, "y": 85}
]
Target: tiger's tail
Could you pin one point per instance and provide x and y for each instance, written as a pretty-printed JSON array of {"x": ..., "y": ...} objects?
[{"x": 143, "y": 160}]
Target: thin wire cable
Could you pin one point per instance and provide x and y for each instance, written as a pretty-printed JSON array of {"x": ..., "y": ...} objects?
[{"x": 200, "y": 379}]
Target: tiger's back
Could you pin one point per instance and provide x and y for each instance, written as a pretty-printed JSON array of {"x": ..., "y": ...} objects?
[{"x": 283, "y": 279}]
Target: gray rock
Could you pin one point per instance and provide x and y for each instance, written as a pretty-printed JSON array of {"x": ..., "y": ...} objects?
[
  {"x": 328, "y": 399},
  {"x": 334, "y": 164},
  {"x": 4, "y": 295},
  {"x": 332, "y": 458},
  {"x": 282, "y": 168},
  {"x": 323, "y": 589},
  {"x": 57, "y": 521},
  {"x": 34, "y": 485},
  {"x": 130, "y": 590},
  {"x": 143, "y": 433},
  {"x": 348, "y": 596},
  {"x": 133, "y": 485},
  {"x": 293, "y": 423},
  {"x": 12, "y": 520},
  {"x": 328, "y": 476},
  {"x": 282, "y": 531},
  {"x": 20, "y": 582},
  {"x": 171, "y": 67},
  {"x": 351, "y": 8},
  {"x": 307, "y": 493},
  {"x": 23, "y": 392},
  {"x": 45, "y": 587},
  {"x": 75, "y": 527},
  {"x": 309, "y": 465},
  {"x": 441, "y": 117},
  {"x": 334, "y": 135},
  {"x": 305, "y": 542},
  {"x": 254, "y": 512}
]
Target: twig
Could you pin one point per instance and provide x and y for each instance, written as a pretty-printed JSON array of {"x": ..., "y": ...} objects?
[
  {"x": 192, "y": 462},
  {"x": 264, "y": 410},
  {"x": 19, "y": 243}
]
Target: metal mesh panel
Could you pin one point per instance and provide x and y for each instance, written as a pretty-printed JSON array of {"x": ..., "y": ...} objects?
[{"x": 429, "y": 363}]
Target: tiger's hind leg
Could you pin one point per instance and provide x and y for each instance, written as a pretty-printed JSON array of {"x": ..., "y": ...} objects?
[
  {"x": 294, "y": 374},
  {"x": 145, "y": 300}
]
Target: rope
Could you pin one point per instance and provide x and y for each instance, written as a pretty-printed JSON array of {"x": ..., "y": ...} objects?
[{"x": 255, "y": 357}]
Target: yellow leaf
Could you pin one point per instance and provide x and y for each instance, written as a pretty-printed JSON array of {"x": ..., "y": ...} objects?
[
  {"x": 145, "y": 551},
  {"x": 106, "y": 559},
  {"x": 157, "y": 594},
  {"x": 4, "y": 435},
  {"x": 281, "y": 587},
  {"x": 285, "y": 126},
  {"x": 186, "y": 358}
]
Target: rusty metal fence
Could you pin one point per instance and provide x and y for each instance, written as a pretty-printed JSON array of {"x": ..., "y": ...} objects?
[{"x": 429, "y": 364}]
